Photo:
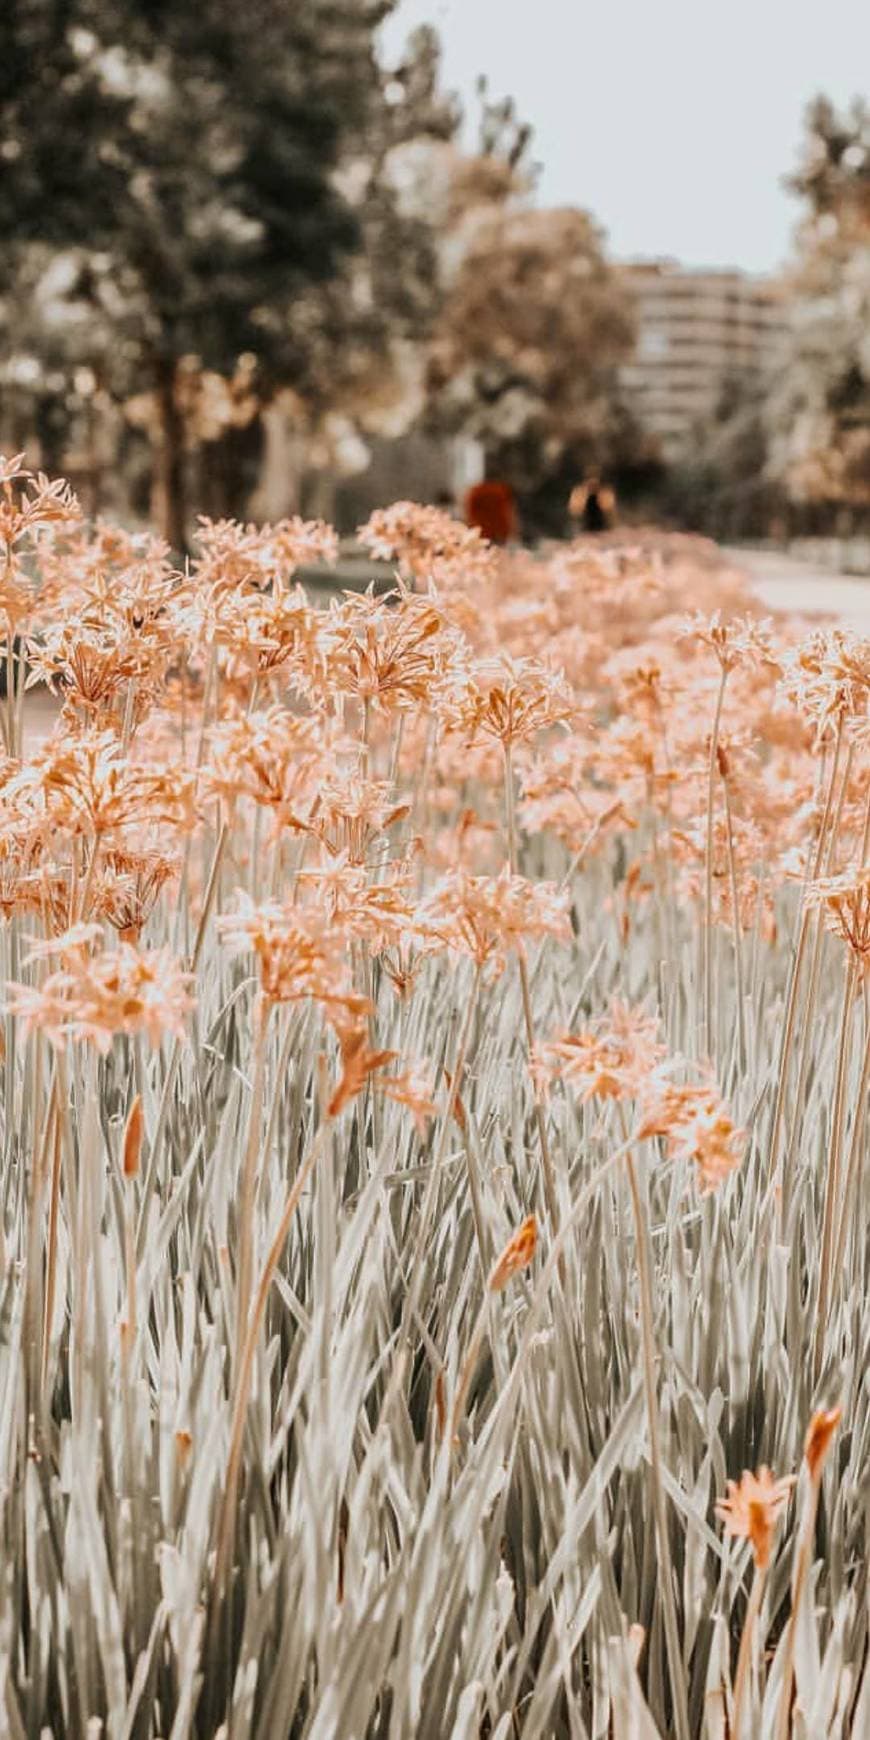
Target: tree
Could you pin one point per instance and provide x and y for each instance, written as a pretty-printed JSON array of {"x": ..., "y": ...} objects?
[
  {"x": 533, "y": 323},
  {"x": 720, "y": 485},
  {"x": 532, "y": 332},
  {"x": 355, "y": 346},
  {"x": 184, "y": 152},
  {"x": 819, "y": 413}
]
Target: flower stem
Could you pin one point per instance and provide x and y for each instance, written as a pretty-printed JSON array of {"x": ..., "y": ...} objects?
[
  {"x": 735, "y": 920},
  {"x": 856, "y": 1151},
  {"x": 666, "y": 1579},
  {"x": 434, "y": 1179},
  {"x": 801, "y": 1571},
  {"x": 51, "y": 1250},
  {"x": 797, "y": 965},
  {"x": 248, "y": 1181},
  {"x": 169, "y": 1079},
  {"x": 708, "y": 870},
  {"x": 227, "y": 1513},
  {"x": 548, "y": 1170},
  {"x": 832, "y": 1178},
  {"x": 744, "y": 1656}
]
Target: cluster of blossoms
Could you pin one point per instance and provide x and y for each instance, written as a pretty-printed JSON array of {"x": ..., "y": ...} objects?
[
  {"x": 428, "y": 545},
  {"x": 94, "y": 993},
  {"x": 381, "y": 737},
  {"x": 622, "y": 1058}
]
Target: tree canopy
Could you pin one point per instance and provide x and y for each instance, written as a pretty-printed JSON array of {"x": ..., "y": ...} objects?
[
  {"x": 819, "y": 412},
  {"x": 185, "y": 153}
]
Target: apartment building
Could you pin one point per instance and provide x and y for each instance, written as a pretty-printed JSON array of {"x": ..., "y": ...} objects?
[{"x": 697, "y": 330}]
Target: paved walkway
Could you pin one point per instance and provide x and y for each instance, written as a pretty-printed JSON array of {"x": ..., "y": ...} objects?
[{"x": 785, "y": 583}]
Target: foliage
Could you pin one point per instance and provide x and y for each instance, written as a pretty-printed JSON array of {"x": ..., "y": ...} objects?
[
  {"x": 532, "y": 331},
  {"x": 722, "y": 487},
  {"x": 186, "y": 155},
  {"x": 355, "y": 344},
  {"x": 820, "y": 408}
]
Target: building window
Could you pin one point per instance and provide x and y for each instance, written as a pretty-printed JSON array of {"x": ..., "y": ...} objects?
[{"x": 652, "y": 343}]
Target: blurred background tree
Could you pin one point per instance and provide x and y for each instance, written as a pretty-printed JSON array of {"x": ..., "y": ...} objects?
[
  {"x": 792, "y": 453},
  {"x": 722, "y": 487},
  {"x": 355, "y": 346},
  {"x": 237, "y": 247},
  {"x": 819, "y": 412},
  {"x": 184, "y": 155},
  {"x": 533, "y": 327}
]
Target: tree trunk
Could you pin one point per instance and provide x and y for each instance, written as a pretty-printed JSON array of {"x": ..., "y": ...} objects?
[
  {"x": 279, "y": 490},
  {"x": 169, "y": 476}
]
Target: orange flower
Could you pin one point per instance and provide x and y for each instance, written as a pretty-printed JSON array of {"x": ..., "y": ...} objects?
[
  {"x": 93, "y": 997},
  {"x": 845, "y": 901},
  {"x": 47, "y": 504},
  {"x": 358, "y": 1062},
  {"x": 89, "y": 782},
  {"x": 735, "y": 641},
  {"x": 26, "y": 517},
  {"x": 818, "y": 1440},
  {"x": 411, "y": 1088},
  {"x": 752, "y": 1509},
  {"x": 298, "y": 956},
  {"x": 611, "y": 1060},
  {"x": 695, "y": 1126},
  {"x": 389, "y": 653},
  {"x": 275, "y": 758},
  {"x": 128, "y": 887},
  {"x": 507, "y": 700},
  {"x": 517, "y": 1254},
  {"x": 235, "y": 557},
  {"x": 486, "y": 917},
  {"x": 621, "y": 1058},
  {"x": 828, "y": 677},
  {"x": 428, "y": 544}
]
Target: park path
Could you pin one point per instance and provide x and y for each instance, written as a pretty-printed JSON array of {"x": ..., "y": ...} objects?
[{"x": 783, "y": 582}]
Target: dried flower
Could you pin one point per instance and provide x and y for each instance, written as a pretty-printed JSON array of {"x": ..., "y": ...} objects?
[
  {"x": 412, "y": 1088},
  {"x": 827, "y": 676},
  {"x": 695, "y": 1125},
  {"x": 736, "y": 640},
  {"x": 622, "y": 1058},
  {"x": 297, "y": 954},
  {"x": 428, "y": 544},
  {"x": 614, "y": 1059},
  {"x": 507, "y": 700},
  {"x": 845, "y": 902}
]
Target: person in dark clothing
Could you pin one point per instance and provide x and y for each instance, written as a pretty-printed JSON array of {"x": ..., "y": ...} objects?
[
  {"x": 491, "y": 508},
  {"x": 591, "y": 506},
  {"x": 593, "y": 513}
]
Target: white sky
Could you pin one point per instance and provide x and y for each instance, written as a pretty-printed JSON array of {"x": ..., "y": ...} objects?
[{"x": 673, "y": 121}]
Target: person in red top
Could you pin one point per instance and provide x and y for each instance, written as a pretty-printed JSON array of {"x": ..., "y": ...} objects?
[{"x": 490, "y": 507}]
